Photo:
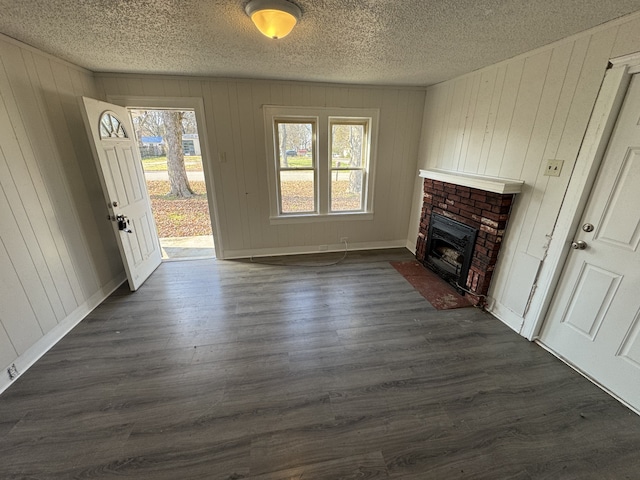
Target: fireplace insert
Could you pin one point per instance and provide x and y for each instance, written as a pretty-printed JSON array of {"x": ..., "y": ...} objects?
[{"x": 449, "y": 249}]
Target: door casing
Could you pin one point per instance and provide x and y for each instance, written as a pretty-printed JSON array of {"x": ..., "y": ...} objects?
[
  {"x": 596, "y": 139},
  {"x": 196, "y": 104}
]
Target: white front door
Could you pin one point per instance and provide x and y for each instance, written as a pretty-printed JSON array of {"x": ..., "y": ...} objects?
[
  {"x": 594, "y": 319},
  {"x": 118, "y": 159}
]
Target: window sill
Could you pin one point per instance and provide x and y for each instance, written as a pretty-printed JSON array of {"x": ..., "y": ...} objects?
[{"x": 315, "y": 218}]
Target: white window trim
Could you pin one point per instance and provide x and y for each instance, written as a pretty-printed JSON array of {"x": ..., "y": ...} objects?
[{"x": 323, "y": 116}]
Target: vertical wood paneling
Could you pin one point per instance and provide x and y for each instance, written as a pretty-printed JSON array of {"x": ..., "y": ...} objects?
[
  {"x": 410, "y": 154},
  {"x": 122, "y": 83},
  {"x": 268, "y": 235},
  {"x": 465, "y": 111},
  {"x": 18, "y": 317},
  {"x": 565, "y": 74},
  {"x": 152, "y": 86},
  {"x": 16, "y": 241},
  {"x": 487, "y": 80},
  {"x": 170, "y": 87},
  {"x": 133, "y": 85},
  {"x": 549, "y": 109},
  {"x": 26, "y": 174},
  {"x": 401, "y": 150},
  {"x": 387, "y": 144},
  {"x": 587, "y": 89},
  {"x": 525, "y": 111},
  {"x": 446, "y": 92},
  {"x": 490, "y": 128},
  {"x": 453, "y": 133},
  {"x": 524, "y": 219},
  {"x": 523, "y": 224},
  {"x": 235, "y": 125},
  {"x": 528, "y": 109},
  {"x": 230, "y": 188},
  {"x": 471, "y": 112},
  {"x": 30, "y": 222},
  {"x": 214, "y": 163},
  {"x": 81, "y": 218},
  {"x": 627, "y": 39},
  {"x": 504, "y": 117},
  {"x": 435, "y": 113},
  {"x": 53, "y": 255},
  {"x": 65, "y": 155},
  {"x": 246, "y": 140},
  {"x": 98, "y": 233},
  {"x": 110, "y": 84},
  {"x": 7, "y": 353}
]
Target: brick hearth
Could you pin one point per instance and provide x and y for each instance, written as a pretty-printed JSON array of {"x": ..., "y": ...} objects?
[{"x": 486, "y": 211}]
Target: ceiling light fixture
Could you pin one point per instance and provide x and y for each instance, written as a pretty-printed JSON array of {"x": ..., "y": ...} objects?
[{"x": 274, "y": 18}]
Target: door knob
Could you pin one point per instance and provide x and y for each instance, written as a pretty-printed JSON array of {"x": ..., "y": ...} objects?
[{"x": 579, "y": 245}]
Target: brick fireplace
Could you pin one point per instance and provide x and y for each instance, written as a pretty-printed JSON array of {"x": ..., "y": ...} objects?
[{"x": 484, "y": 210}]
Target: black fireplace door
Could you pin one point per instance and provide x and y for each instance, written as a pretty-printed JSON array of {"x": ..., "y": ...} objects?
[{"x": 449, "y": 249}]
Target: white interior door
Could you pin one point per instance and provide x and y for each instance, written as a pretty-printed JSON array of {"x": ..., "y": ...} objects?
[
  {"x": 594, "y": 320},
  {"x": 116, "y": 152}
]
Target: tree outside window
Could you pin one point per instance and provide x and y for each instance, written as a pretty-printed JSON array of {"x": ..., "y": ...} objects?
[{"x": 320, "y": 161}]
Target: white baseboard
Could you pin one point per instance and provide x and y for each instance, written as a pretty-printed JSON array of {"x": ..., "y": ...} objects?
[
  {"x": 506, "y": 316},
  {"x": 411, "y": 246},
  {"x": 306, "y": 249},
  {"x": 53, "y": 336}
]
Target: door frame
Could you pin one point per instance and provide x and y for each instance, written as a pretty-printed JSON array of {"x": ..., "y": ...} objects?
[
  {"x": 138, "y": 102},
  {"x": 594, "y": 145}
]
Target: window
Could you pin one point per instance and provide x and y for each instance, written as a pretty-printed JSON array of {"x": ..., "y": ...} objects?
[
  {"x": 296, "y": 166},
  {"x": 347, "y": 164},
  {"x": 320, "y": 162},
  {"x": 111, "y": 127}
]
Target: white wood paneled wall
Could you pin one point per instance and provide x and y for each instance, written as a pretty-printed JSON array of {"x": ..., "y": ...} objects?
[
  {"x": 507, "y": 120},
  {"x": 234, "y": 120},
  {"x": 55, "y": 255}
]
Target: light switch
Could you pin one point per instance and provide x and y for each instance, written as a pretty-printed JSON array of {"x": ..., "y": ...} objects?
[{"x": 554, "y": 167}]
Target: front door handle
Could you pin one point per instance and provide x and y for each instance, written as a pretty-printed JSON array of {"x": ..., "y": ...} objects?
[
  {"x": 123, "y": 223},
  {"x": 579, "y": 245}
]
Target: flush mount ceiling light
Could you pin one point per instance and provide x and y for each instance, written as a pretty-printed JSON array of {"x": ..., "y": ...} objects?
[{"x": 274, "y": 18}]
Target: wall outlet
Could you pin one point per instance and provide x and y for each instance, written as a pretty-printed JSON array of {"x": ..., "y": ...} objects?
[
  {"x": 12, "y": 371},
  {"x": 554, "y": 167},
  {"x": 344, "y": 239}
]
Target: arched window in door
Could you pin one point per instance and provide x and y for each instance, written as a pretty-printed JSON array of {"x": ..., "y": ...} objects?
[{"x": 111, "y": 127}]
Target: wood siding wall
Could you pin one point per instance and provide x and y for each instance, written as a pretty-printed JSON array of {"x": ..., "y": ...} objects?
[
  {"x": 507, "y": 120},
  {"x": 55, "y": 254},
  {"x": 235, "y": 124}
]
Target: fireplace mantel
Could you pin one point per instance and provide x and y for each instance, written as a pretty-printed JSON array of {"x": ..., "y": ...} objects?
[{"x": 502, "y": 186}]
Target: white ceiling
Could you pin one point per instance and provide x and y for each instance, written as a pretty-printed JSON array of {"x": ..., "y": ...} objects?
[{"x": 391, "y": 42}]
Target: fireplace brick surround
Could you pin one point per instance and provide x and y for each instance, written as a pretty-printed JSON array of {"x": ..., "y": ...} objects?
[{"x": 484, "y": 210}]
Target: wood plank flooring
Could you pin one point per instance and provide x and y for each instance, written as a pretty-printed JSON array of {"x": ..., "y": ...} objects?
[{"x": 230, "y": 370}]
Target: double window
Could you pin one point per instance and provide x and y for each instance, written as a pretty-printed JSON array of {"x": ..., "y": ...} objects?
[{"x": 320, "y": 161}]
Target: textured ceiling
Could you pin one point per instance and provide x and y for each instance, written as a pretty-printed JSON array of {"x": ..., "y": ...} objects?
[{"x": 392, "y": 42}]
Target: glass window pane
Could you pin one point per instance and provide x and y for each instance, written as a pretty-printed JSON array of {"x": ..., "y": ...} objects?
[
  {"x": 295, "y": 145},
  {"x": 297, "y": 191},
  {"x": 346, "y": 190},
  {"x": 346, "y": 145},
  {"x": 110, "y": 127}
]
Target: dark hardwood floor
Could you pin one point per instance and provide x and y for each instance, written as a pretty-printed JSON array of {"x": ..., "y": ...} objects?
[{"x": 229, "y": 370}]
